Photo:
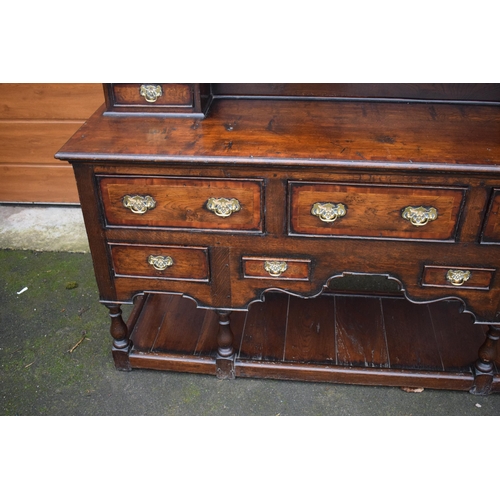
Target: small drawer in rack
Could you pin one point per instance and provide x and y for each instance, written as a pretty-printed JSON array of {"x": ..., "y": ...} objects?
[
  {"x": 160, "y": 262},
  {"x": 276, "y": 268},
  {"x": 458, "y": 277},
  {"x": 368, "y": 211},
  {"x": 169, "y": 98},
  {"x": 183, "y": 203}
]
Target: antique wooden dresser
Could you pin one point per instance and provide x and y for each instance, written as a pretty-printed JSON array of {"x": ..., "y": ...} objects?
[{"x": 239, "y": 219}]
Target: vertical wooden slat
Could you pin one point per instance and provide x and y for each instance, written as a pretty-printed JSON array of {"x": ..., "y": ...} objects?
[
  {"x": 180, "y": 328},
  {"x": 264, "y": 335},
  {"x": 458, "y": 339},
  {"x": 310, "y": 333},
  {"x": 410, "y": 336},
  {"x": 360, "y": 332},
  {"x": 150, "y": 321}
]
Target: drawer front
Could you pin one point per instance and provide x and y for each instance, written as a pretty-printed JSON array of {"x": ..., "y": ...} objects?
[
  {"x": 168, "y": 202},
  {"x": 457, "y": 277},
  {"x": 153, "y": 95},
  {"x": 382, "y": 212},
  {"x": 160, "y": 262},
  {"x": 491, "y": 232},
  {"x": 276, "y": 268}
]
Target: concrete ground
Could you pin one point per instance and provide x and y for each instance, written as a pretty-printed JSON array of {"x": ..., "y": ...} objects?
[{"x": 55, "y": 354}]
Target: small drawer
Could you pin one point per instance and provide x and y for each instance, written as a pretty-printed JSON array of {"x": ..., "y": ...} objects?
[
  {"x": 157, "y": 94},
  {"x": 381, "y": 212},
  {"x": 188, "y": 99},
  {"x": 276, "y": 268},
  {"x": 160, "y": 262},
  {"x": 457, "y": 277},
  {"x": 183, "y": 202}
]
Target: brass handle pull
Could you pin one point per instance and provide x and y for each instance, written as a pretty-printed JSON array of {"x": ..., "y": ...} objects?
[
  {"x": 458, "y": 277},
  {"x": 160, "y": 262},
  {"x": 328, "y": 212},
  {"x": 419, "y": 216},
  {"x": 223, "y": 207},
  {"x": 151, "y": 92},
  {"x": 139, "y": 204},
  {"x": 275, "y": 268}
]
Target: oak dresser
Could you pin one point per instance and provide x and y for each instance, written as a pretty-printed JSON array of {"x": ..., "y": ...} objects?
[{"x": 326, "y": 232}]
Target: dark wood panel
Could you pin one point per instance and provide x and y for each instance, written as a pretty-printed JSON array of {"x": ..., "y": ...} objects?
[
  {"x": 426, "y": 91},
  {"x": 49, "y": 101},
  {"x": 38, "y": 183},
  {"x": 310, "y": 334},
  {"x": 458, "y": 339},
  {"x": 180, "y": 328},
  {"x": 411, "y": 339},
  {"x": 265, "y": 329},
  {"x": 150, "y": 320},
  {"x": 491, "y": 231},
  {"x": 360, "y": 332}
]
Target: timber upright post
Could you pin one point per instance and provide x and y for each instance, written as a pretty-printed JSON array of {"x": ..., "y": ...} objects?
[
  {"x": 120, "y": 334},
  {"x": 225, "y": 352},
  {"x": 483, "y": 367}
]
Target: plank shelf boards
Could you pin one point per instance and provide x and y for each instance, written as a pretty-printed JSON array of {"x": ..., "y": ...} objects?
[{"x": 352, "y": 339}]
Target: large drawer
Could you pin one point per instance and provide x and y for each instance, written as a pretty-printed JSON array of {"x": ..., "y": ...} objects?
[
  {"x": 382, "y": 212},
  {"x": 160, "y": 262},
  {"x": 183, "y": 202}
]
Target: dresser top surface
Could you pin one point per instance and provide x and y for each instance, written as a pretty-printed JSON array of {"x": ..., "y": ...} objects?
[{"x": 290, "y": 132}]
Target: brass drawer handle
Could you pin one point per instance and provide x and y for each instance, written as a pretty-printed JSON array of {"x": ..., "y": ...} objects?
[
  {"x": 275, "y": 268},
  {"x": 458, "y": 277},
  {"x": 160, "y": 262},
  {"x": 139, "y": 204},
  {"x": 419, "y": 216},
  {"x": 328, "y": 212},
  {"x": 151, "y": 92},
  {"x": 223, "y": 207}
]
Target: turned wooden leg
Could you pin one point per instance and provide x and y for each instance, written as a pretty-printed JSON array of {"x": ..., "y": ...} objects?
[
  {"x": 225, "y": 351},
  {"x": 483, "y": 368},
  {"x": 121, "y": 342}
]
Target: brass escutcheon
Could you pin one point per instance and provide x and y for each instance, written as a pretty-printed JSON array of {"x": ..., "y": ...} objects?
[
  {"x": 160, "y": 262},
  {"x": 419, "y": 216},
  {"x": 151, "y": 92},
  {"x": 328, "y": 212},
  {"x": 223, "y": 207},
  {"x": 457, "y": 277},
  {"x": 275, "y": 267},
  {"x": 139, "y": 204}
]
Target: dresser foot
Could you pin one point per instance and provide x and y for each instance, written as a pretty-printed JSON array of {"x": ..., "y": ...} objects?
[
  {"x": 483, "y": 367},
  {"x": 121, "y": 342},
  {"x": 225, "y": 352}
]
